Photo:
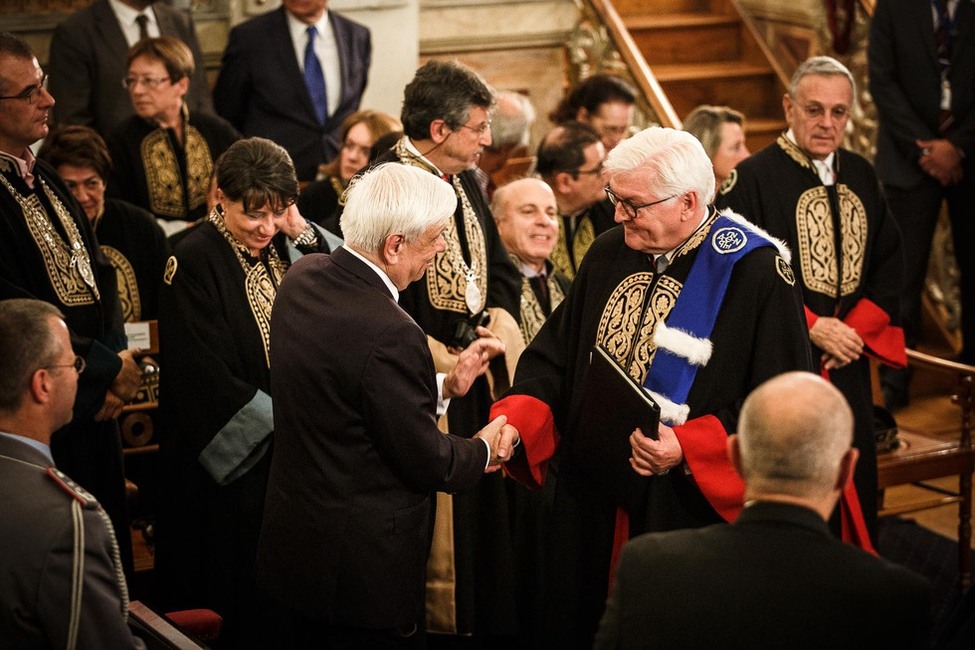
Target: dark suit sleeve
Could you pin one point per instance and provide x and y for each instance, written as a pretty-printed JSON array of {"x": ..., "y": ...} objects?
[
  {"x": 101, "y": 623},
  {"x": 399, "y": 403},
  {"x": 608, "y": 634},
  {"x": 198, "y": 98},
  {"x": 71, "y": 77},
  {"x": 232, "y": 91}
]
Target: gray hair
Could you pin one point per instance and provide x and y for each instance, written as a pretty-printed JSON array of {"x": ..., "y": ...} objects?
[
  {"x": 793, "y": 431},
  {"x": 674, "y": 161},
  {"x": 512, "y": 120},
  {"x": 27, "y": 343},
  {"x": 442, "y": 90},
  {"x": 705, "y": 122},
  {"x": 392, "y": 198},
  {"x": 821, "y": 65}
]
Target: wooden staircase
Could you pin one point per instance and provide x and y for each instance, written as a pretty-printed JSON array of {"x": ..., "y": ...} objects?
[{"x": 703, "y": 52}]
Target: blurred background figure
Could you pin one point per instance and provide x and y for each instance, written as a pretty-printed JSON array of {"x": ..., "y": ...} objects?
[
  {"x": 128, "y": 235},
  {"x": 360, "y": 131},
  {"x": 215, "y": 314},
  {"x": 722, "y": 132},
  {"x": 604, "y": 102},
  {"x": 163, "y": 155},
  {"x": 511, "y": 123}
]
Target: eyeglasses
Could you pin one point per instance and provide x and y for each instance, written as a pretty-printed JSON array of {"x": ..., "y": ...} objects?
[
  {"x": 30, "y": 94},
  {"x": 480, "y": 130},
  {"x": 78, "y": 364},
  {"x": 597, "y": 171},
  {"x": 630, "y": 209},
  {"x": 149, "y": 82}
]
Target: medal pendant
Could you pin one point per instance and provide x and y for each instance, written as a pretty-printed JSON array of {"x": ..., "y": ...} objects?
[{"x": 472, "y": 296}]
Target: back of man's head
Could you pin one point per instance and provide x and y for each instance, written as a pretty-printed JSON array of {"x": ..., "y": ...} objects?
[
  {"x": 27, "y": 342},
  {"x": 563, "y": 148},
  {"x": 673, "y": 161},
  {"x": 511, "y": 121},
  {"x": 391, "y": 198},
  {"x": 793, "y": 433},
  {"x": 442, "y": 90}
]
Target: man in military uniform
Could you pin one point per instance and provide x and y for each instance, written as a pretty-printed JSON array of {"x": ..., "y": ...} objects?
[{"x": 61, "y": 581}]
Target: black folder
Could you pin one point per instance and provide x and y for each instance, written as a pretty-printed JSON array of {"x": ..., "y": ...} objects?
[{"x": 612, "y": 406}]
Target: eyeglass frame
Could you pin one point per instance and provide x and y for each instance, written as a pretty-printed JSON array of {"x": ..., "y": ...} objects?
[
  {"x": 630, "y": 209},
  {"x": 149, "y": 82},
  {"x": 79, "y": 364},
  {"x": 31, "y": 93},
  {"x": 597, "y": 171},
  {"x": 479, "y": 130}
]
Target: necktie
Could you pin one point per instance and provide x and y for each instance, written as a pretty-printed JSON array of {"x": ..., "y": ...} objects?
[
  {"x": 315, "y": 78},
  {"x": 143, "y": 21},
  {"x": 942, "y": 41},
  {"x": 661, "y": 263},
  {"x": 539, "y": 284}
]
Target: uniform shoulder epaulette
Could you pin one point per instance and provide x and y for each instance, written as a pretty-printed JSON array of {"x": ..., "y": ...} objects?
[{"x": 73, "y": 489}]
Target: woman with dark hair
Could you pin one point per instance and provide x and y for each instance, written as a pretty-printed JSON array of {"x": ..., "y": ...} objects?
[
  {"x": 360, "y": 131},
  {"x": 218, "y": 290},
  {"x": 128, "y": 235},
  {"x": 603, "y": 101},
  {"x": 163, "y": 155}
]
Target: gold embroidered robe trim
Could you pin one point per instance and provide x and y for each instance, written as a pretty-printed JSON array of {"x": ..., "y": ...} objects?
[
  {"x": 638, "y": 304},
  {"x": 261, "y": 279},
  {"x": 128, "y": 286},
  {"x": 68, "y": 264},
  {"x": 532, "y": 316},
  {"x": 582, "y": 239},
  {"x": 163, "y": 182},
  {"x": 448, "y": 275}
]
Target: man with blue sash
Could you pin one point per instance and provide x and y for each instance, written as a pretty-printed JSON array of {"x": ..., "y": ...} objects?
[{"x": 697, "y": 306}]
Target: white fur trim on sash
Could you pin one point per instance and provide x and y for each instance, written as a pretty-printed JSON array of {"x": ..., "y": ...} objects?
[
  {"x": 696, "y": 350},
  {"x": 670, "y": 413},
  {"x": 780, "y": 245}
]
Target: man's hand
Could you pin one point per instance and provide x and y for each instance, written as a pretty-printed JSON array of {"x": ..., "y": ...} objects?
[
  {"x": 840, "y": 342},
  {"x": 472, "y": 363},
  {"x": 655, "y": 457},
  {"x": 502, "y": 438},
  {"x": 129, "y": 378},
  {"x": 940, "y": 160},
  {"x": 291, "y": 223},
  {"x": 111, "y": 407}
]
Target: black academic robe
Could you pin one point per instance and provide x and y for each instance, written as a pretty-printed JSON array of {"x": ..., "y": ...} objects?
[
  {"x": 759, "y": 333},
  {"x": 779, "y": 189},
  {"x": 88, "y": 451},
  {"x": 137, "y": 248},
  {"x": 575, "y": 239},
  {"x": 215, "y": 404},
  {"x": 318, "y": 202},
  {"x": 483, "y": 563},
  {"x": 152, "y": 170}
]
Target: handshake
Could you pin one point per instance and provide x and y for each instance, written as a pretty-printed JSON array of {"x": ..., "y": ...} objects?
[{"x": 502, "y": 438}]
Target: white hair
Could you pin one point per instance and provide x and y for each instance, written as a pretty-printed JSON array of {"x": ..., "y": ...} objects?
[
  {"x": 674, "y": 161},
  {"x": 821, "y": 65},
  {"x": 392, "y": 198}
]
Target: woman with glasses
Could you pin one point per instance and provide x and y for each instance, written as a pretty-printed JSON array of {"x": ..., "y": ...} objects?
[
  {"x": 360, "y": 131},
  {"x": 128, "y": 235},
  {"x": 163, "y": 155},
  {"x": 215, "y": 394}
]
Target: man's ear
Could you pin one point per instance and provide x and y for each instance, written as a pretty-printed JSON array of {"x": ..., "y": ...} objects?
[
  {"x": 41, "y": 385},
  {"x": 392, "y": 247},
  {"x": 689, "y": 203},
  {"x": 847, "y": 465},
  {"x": 582, "y": 115},
  {"x": 734, "y": 453},
  {"x": 563, "y": 182},
  {"x": 439, "y": 131}
]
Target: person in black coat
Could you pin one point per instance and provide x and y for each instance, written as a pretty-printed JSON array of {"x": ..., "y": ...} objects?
[
  {"x": 358, "y": 454},
  {"x": 775, "y": 578}
]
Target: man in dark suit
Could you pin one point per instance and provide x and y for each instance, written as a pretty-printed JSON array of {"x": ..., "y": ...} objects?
[
  {"x": 775, "y": 578},
  {"x": 88, "y": 60},
  {"x": 922, "y": 78},
  {"x": 292, "y": 75},
  {"x": 61, "y": 582},
  {"x": 358, "y": 453}
]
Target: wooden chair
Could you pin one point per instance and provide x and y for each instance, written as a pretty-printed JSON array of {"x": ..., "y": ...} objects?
[{"x": 923, "y": 455}]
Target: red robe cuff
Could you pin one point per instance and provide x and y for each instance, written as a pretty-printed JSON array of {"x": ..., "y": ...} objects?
[
  {"x": 704, "y": 442},
  {"x": 539, "y": 437},
  {"x": 883, "y": 341},
  {"x": 811, "y": 317}
]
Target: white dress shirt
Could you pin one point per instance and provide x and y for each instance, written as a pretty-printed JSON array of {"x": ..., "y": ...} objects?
[{"x": 327, "y": 51}]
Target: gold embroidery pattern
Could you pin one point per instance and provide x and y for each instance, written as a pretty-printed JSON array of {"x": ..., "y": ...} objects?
[
  {"x": 622, "y": 333},
  {"x": 532, "y": 316},
  {"x": 170, "y": 271},
  {"x": 68, "y": 264},
  {"x": 560, "y": 254},
  {"x": 795, "y": 153},
  {"x": 261, "y": 279},
  {"x": 128, "y": 286},
  {"x": 165, "y": 187},
  {"x": 697, "y": 238},
  {"x": 817, "y": 248},
  {"x": 448, "y": 275},
  {"x": 584, "y": 237}
]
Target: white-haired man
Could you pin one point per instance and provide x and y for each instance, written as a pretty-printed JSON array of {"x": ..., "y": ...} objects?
[
  {"x": 776, "y": 578},
  {"x": 358, "y": 454},
  {"x": 697, "y": 307},
  {"x": 826, "y": 203}
]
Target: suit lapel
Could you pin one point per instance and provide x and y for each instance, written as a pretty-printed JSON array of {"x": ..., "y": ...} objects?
[
  {"x": 923, "y": 22},
  {"x": 354, "y": 265},
  {"x": 287, "y": 62},
  {"x": 344, "y": 49},
  {"x": 964, "y": 24},
  {"x": 111, "y": 32}
]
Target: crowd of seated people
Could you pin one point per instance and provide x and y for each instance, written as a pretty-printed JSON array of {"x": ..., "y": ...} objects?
[{"x": 599, "y": 242}]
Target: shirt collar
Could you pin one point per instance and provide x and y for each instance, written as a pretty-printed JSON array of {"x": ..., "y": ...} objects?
[
  {"x": 36, "y": 444},
  {"x": 416, "y": 152},
  {"x": 298, "y": 29},
  {"x": 126, "y": 15},
  {"x": 25, "y": 165},
  {"x": 382, "y": 274},
  {"x": 824, "y": 168}
]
